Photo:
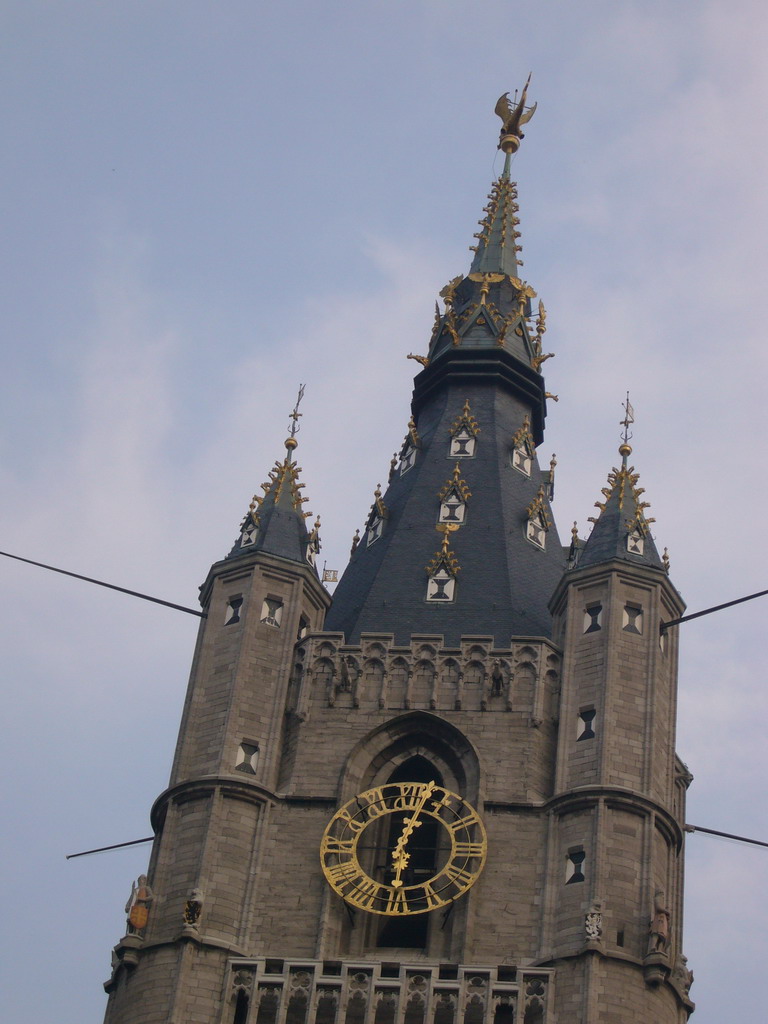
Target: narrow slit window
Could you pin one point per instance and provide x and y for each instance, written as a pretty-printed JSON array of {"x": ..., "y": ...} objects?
[
  {"x": 574, "y": 866},
  {"x": 632, "y": 619},
  {"x": 247, "y": 757},
  {"x": 593, "y": 618},
  {"x": 586, "y": 724},
  {"x": 272, "y": 612},
  {"x": 232, "y": 615}
]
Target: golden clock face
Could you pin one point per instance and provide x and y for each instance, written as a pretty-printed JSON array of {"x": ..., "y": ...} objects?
[{"x": 403, "y": 848}]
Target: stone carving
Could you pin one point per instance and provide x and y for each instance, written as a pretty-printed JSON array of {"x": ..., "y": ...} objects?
[
  {"x": 681, "y": 975},
  {"x": 658, "y": 937},
  {"x": 137, "y": 907},
  {"x": 193, "y": 907},
  {"x": 593, "y": 922}
]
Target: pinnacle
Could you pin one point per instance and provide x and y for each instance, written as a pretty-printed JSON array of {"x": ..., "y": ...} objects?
[{"x": 622, "y": 529}]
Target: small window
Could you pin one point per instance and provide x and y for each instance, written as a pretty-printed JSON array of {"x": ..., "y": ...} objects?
[
  {"x": 247, "y": 757},
  {"x": 521, "y": 460},
  {"x": 303, "y": 627},
  {"x": 375, "y": 530},
  {"x": 462, "y": 445},
  {"x": 593, "y": 618},
  {"x": 536, "y": 531},
  {"x": 407, "y": 459},
  {"x": 234, "y": 604},
  {"x": 574, "y": 866},
  {"x": 635, "y": 542},
  {"x": 452, "y": 509},
  {"x": 441, "y": 587},
  {"x": 248, "y": 536},
  {"x": 632, "y": 619},
  {"x": 272, "y": 611},
  {"x": 585, "y": 727}
]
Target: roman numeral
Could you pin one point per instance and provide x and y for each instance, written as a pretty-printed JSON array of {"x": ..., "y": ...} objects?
[
  {"x": 397, "y": 903},
  {"x": 468, "y": 850},
  {"x": 463, "y": 823},
  {"x": 459, "y": 876},
  {"x": 331, "y": 844}
]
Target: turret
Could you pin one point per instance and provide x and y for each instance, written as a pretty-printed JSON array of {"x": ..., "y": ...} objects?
[{"x": 257, "y": 601}]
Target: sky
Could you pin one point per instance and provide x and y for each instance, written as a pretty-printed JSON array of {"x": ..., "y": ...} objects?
[{"x": 206, "y": 204}]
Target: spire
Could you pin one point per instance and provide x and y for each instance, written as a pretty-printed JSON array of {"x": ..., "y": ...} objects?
[
  {"x": 486, "y": 324},
  {"x": 468, "y": 464},
  {"x": 497, "y": 250},
  {"x": 622, "y": 530},
  {"x": 275, "y": 522}
]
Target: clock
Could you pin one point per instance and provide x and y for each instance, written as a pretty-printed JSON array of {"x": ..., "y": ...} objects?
[{"x": 403, "y": 848}]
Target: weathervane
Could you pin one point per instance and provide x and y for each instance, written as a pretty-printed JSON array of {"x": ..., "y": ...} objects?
[
  {"x": 296, "y": 415},
  {"x": 512, "y": 118},
  {"x": 629, "y": 417}
]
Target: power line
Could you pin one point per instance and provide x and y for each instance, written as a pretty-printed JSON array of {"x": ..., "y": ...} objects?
[
  {"x": 115, "y": 846},
  {"x": 725, "y": 835},
  {"x": 110, "y": 586},
  {"x": 664, "y": 626}
]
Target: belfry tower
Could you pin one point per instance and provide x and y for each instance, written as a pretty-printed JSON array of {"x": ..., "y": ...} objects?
[{"x": 450, "y": 795}]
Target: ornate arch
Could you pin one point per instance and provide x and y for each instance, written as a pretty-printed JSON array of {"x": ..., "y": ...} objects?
[{"x": 385, "y": 748}]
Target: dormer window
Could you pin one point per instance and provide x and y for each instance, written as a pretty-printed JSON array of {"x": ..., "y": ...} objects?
[
  {"x": 521, "y": 459},
  {"x": 407, "y": 459},
  {"x": 441, "y": 586},
  {"x": 452, "y": 509},
  {"x": 375, "y": 530},
  {"x": 536, "y": 530},
  {"x": 635, "y": 541},
  {"x": 463, "y": 444},
  {"x": 249, "y": 535}
]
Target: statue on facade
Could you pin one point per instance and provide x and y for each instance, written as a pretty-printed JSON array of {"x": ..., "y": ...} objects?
[
  {"x": 193, "y": 907},
  {"x": 658, "y": 938},
  {"x": 137, "y": 907}
]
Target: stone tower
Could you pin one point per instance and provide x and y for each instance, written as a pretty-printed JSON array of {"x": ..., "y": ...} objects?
[{"x": 450, "y": 795}]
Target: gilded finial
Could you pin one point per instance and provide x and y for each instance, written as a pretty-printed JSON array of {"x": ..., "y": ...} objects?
[
  {"x": 665, "y": 560},
  {"x": 355, "y": 542},
  {"x": 512, "y": 118}
]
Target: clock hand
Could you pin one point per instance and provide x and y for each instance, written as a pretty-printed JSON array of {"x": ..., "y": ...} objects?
[{"x": 399, "y": 857}]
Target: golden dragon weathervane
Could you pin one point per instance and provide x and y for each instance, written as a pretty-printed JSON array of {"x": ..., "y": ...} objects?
[{"x": 512, "y": 118}]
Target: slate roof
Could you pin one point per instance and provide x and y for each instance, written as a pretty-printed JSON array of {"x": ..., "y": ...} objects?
[
  {"x": 622, "y": 515},
  {"x": 275, "y": 522},
  {"x": 483, "y": 361},
  {"x": 503, "y": 583}
]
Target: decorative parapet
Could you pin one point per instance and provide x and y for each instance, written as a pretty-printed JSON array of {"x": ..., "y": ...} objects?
[
  {"x": 301, "y": 991},
  {"x": 425, "y": 675}
]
